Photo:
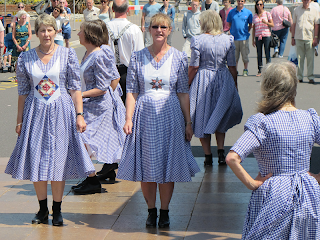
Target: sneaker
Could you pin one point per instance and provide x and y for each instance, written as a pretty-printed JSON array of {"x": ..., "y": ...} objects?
[
  {"x": 245, "y": 72},
  {"x": 275, "y": 54},
  {"x": 300, "y": 80},
  {"x": 280, "y": 56},
  {"x": 316, "y": 52},
  {"x": 259, "y": 74},
  {"x": 311, "y": 81}
]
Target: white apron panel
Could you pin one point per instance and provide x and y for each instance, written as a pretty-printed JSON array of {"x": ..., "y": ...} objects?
[{"x": 46, "y": 86}]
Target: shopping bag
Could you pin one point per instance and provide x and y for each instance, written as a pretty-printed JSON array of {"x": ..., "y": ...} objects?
[{"x": 293, "y": 55}]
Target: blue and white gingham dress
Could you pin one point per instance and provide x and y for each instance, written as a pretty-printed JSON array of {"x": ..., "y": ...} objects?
[
  {"x": 157, "y": 150},
  {"x": 105, "y": 114},
  {"x": 214, "y": 100},
  {"x": 49, "y": 147},
  {"x": 287, "y": 205}
]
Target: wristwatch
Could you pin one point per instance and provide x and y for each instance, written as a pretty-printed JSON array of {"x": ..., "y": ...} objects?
[{"x": 80, "y": 113}]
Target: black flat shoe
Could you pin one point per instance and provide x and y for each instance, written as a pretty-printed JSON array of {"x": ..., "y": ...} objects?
[
  {"x": 152, "y": 218},
  {"x": 84, "y": 182},
  {"x": 110, "y": 175},
  {"x": 164, "y": 220},
  {"x": 221, "y": 157},
  {"x": 57, "y": 219},
  {"x": 40, "y": 217},
  {"x": 103, "y": 173},
  {"x": 208, "y": 160},
  {"x": 88, "y": 188}
]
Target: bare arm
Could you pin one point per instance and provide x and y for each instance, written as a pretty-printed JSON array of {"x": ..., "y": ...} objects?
[
  {"x": 77, "y": 100},
  {"x": 24, "y": 47},
  {"x": 143, "y": 20},
  {"x": 1, "y": 39},
  {"x": 315, "y": 38},
  {"x": 114, "y": 84},
  {"x": 233, "y": 160},
  {"x": 185, "y": 107},
  {"x": 130, "y": 105},
  {"x": 95, "y": 92},
  {"x": 21, "y": 101},
  {"x": 250, "y": 26},
  {"x": 192, "y": 71},
  {"x": 253, "y": 36}
]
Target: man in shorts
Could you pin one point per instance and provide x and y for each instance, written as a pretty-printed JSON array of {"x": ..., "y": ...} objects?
[
  {"x": 150, "y": 9},
  {"x": 240, "y": 21},
  {"x": 66, "y": 28}
]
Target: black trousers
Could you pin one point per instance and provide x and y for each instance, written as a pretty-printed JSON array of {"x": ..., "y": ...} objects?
[{"x": 122, "y": 69}]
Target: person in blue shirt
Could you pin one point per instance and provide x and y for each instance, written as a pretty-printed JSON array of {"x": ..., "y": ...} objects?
[
  {"x": 170, "y": 11},
  {"x": 150, "y": 9},
  {"x": 240, "y": 21},
  {"x": 66, "y": 28}
]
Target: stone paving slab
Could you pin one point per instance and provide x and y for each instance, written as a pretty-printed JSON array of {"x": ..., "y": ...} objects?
[{"x": 213, "y": 206}]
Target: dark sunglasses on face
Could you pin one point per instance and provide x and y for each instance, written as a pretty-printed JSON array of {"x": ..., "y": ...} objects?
[
  {"x": 162, "y": 27},
  {"x": 259, "y": 4},
  {"x": 165, "y": 0},
  {"x": 103, "y": 1},
  {"x": 20, "y": 7}
]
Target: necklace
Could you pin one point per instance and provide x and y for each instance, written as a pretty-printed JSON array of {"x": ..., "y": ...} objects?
[
  {"x": 155, "y": 56},
  {"x": 54, "y": 46}
]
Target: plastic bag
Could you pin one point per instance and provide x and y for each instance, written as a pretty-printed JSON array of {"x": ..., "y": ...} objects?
[{"x": 293, "y": 55}]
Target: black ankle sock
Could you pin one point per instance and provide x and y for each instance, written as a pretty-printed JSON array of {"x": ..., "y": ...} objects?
[
  {"x": 56, "y": 207},
  {"x": 220, "y": 151},
  {"x": 93, "y": 180},
  {"x": 43, "y": 205}
]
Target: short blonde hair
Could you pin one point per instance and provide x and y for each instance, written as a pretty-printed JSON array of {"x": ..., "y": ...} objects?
[
  {"x": 45, "y": 19},
  {"x": 278, "y": 86},
  {"x": 160, "y": 18},
  {"x": 210, "y": 22},
  {"x": 20, "y": 13}
]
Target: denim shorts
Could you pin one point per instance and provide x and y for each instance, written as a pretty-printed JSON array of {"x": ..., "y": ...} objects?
[
  {"x": 66, "y": 32},
  {"x": 59, "y": 42}
]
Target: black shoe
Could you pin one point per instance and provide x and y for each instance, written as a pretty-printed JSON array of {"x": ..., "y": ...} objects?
[
  {"x": 106, "y": 169},
  {"x": 84, "y": 182},
  {"x": 88, "y": 188},
  {"x": 221, "y": 157},
  {"x": 57, "y": 219},
  {"x": 208, "y": 160},
  {"x": 110, "y": 175},
  {"x": 164, "y": 220},
  {"x": 152, "y": 218},
  {"x": 40, "y": 217},
  {"x": 275, "y": 54},
  {"x": 9, "y": 69}
]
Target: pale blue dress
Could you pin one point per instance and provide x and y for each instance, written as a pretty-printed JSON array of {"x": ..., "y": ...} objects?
[
  {"x": 214, "y": 100},
  {"x": 49, "y": 147},
  {"x": 157, "y": 150},
  {"x": 287, "y": 205}
]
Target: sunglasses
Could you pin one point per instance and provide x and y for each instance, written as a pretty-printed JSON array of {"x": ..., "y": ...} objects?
[
  {"x": 259, "y": 4},
  {"x": 56, "y": 10},
  {"x": 103, "y": 1},
  {"x": 166, "y": 0},
  {"x": 162, "y": 27},
  {"x": 20, "y": 7}
]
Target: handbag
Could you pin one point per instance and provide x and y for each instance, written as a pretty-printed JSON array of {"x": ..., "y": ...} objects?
[
  {"x": 285, "y": 23},
  {"x": 274, "y": 40}
]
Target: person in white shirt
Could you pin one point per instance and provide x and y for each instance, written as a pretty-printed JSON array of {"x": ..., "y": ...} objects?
[
  {"x": 91, "y": 12},
  {"x": 60, "y": 20},
  {"x": 130, "y": 41}
]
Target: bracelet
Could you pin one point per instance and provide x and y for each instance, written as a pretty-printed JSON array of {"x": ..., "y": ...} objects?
[
  {"x": 18, "y": 124},
  {"x": 80, "y": 113},
  {"x": 188, "y": 123}
]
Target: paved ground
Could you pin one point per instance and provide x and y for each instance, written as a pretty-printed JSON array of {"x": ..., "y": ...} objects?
[{"x": 212, "y": 206}]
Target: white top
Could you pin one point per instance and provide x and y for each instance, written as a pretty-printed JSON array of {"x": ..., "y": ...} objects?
[
  {"x": 157, "y": 82},
  {"x": 60, "y": 21},
  {"x": 46, "y": 87},
  {"x": 90, "y": 15},
  {"x": 315, "y": 5},
  {"x": 131, "y": 41},
  {"x": 1, "y": 27}
]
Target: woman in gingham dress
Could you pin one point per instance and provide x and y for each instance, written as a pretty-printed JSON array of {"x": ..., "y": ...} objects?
[
  {"x": 214, "y": 100},
  {"x": 103, "y": 109},
  {"x": 285, "y": 202},
  {"x": 49, "y": 148},
  {"x": 157, "y": 148}
]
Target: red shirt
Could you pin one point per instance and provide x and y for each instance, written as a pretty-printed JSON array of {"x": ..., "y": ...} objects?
[{"x": 224, "y": 14}]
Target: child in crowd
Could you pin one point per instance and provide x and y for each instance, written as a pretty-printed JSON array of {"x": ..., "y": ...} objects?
[{"x": 8, "y": 51}]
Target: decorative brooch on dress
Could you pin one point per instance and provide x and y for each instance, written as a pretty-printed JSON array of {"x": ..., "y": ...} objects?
[{"x": 156, "y": 83}]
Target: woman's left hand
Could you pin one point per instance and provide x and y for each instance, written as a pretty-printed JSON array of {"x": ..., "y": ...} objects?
[
  {"x": 189, "y": 132},
  {"x": 81, "y": 124},
  {"x": 259, "y": 180}
]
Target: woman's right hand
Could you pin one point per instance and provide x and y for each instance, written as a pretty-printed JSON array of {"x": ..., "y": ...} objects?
[
  {"x": 127, "y": 128},
  {"x": 259, "y": 180},
  {"x": 18, "y": 129},
  {"x": 19, "y": 49}
]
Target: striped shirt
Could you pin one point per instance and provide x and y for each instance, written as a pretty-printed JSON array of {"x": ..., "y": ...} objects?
[{"x": 261, "y": 29}]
